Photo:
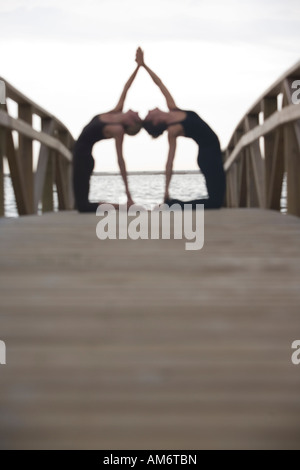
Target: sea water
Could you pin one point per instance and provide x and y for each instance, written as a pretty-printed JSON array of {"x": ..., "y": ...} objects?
[{"x": 146, "y": 189}]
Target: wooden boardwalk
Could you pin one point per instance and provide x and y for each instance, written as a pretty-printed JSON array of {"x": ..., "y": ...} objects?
[{"x": 141, "y": 344}]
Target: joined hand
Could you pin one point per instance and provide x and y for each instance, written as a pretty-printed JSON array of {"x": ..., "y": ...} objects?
[{"x": 139, "y": 57}]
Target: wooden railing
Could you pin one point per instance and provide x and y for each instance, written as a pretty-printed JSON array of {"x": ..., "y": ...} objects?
[
  {"x": 264, "y": 147},
  {"x": 34, "y": 189}
]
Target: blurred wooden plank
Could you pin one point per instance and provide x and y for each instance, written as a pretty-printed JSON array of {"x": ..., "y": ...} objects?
[{"x": 141, "y": 344}]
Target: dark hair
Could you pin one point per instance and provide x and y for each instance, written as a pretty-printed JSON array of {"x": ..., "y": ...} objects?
[
  {"x": 134, "y": 128},
  {"x": 154, "y": 130}
]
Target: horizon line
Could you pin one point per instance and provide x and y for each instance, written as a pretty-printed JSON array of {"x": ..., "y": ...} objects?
[
  {"x": 146, "y": 172},
  {"x": 138, "y": 172}
]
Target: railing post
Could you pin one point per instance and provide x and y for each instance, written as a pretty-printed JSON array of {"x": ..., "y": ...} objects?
[
  {"x": 25, "y": 154},
  {"x": 269, "y": 106},
  {"x": 47, "y": 197},
  {"x": 236, "y": 171},
  {"x": 228, "y": 182},
  {"x": 71, "y": 200},
  {"x": 243, "y": 182},
  {"x": 64, "y": 177},
  {"x": 275, "y": 179},
  {"x": 252, "y": 199},
  {"x": 234, "y": 185},
  {"x": 15, "y": 170},
  {"x": 256, "y": 164},
  {"x": 42, "y": 168}
]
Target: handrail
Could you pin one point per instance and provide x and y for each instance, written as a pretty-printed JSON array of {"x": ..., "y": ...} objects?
[
  {"x": 25, "y": 129},
  {"x": 20, "y": 98},
  {"x": 264, "y": 147},
  {"x": 35, "y": 189},
  {"x": 289, "y": 114}
]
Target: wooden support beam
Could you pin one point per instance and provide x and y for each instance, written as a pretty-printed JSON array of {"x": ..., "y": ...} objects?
[
  {"x": 226, "y": 198},
  {"x": 269, "y": 108},
  {"x": 64, "y": 174},
  {"x": 26, "y": 157},
  {"x": 16, "y": 175},
  {"x": 257, "y": 163},
  {"x": 40, "y": 175},
  {"x": 61, "y": 183},
  {"x": 233, "y": 177},
  {"x": 238, "y": 135},
  {"x": 229, "y": 190},
  {"x": 234, "y": 186},
  {"x": 47, "y": 197},
  {"x": 69, "y": 142},
  {"x": 71, "y": 200},
  {"x": 252, "y": 196},
  {"x": 243, "y": 182},
  {"x": 277, "y": 172},
  {"x": 14, "y": 168}
]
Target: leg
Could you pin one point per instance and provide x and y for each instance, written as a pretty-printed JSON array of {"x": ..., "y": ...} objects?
[
  {"x": 216, "y": 191},
  {"x": 211, "y": 165},
  {"x": 82, "y": 170}
]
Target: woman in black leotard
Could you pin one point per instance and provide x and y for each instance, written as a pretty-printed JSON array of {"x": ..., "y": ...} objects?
[
  {"x": 111, "y": 125},
  {"x": 188, "y": 124}
]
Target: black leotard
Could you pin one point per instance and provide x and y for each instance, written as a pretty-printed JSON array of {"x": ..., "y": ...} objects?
[
  {"x": 83, "y": 163},
  {"x": 90, "y": 134},
  {"x": 199, "y": 130},
  {"x": 209, "y": 160}
]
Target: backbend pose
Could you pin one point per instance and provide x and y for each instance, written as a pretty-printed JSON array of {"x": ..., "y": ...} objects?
[
  {"x": 111, "y": 125},
  {"x": 188, "y": 124}
]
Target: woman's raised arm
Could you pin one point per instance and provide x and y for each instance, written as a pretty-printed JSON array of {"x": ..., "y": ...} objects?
[
  {"x": 120, "y": 105},
  {"x": 169, "y": 98}
]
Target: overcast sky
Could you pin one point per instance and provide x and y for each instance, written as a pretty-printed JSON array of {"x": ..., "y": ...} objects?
[{"x": 216, "y": 57}]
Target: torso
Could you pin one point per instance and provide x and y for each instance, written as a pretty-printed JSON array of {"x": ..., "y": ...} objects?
[
  {"x": 101, "y": 127},
  {"x": 109, "y": 121},
  {"x": 177, "y": 117},
  {"x": 189, "y": 124}
]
